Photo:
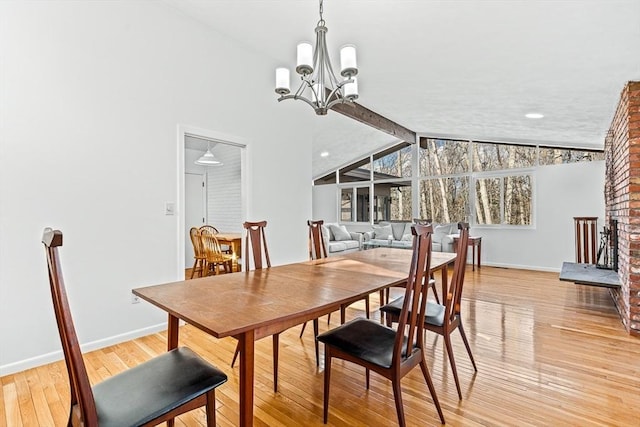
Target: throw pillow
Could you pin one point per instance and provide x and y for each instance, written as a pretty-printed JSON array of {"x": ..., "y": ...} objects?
[
  {"x": 407, "y": 230},
  {"x": 326, "y": 234},
  {"x": 340, "y": 232},
  {"x": 382, "y": 232},
  {"x": 440, "y": 231},
  {"x": 407, "y": 237}
]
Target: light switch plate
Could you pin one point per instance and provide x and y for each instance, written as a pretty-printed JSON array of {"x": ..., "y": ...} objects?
[{"x": 169, "y": 208}]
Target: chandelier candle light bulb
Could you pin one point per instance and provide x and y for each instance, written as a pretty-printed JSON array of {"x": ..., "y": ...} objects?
[
  {"x": 348, "y": 65},
  {"x": 282, "y": 81},
  {"x": 320, "y": 87},
  {"x": 351, "y": 89},
  {"x": 305, "y": 59}
]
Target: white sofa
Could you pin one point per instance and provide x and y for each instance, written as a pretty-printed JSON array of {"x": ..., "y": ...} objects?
[
  {"x": 339, "y": 240},
  {"x": 400, "y": 234}
]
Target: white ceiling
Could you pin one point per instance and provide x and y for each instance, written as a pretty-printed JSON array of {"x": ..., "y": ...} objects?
[{"x": 463, "y": 68}]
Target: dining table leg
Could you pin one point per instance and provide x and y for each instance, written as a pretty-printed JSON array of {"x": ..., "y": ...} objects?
[
  {"x": 172, "y": 332},
  {"x": 246, "y": 341}
]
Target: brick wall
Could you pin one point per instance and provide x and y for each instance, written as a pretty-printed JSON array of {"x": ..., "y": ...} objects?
[{"x": 622, "y": 198}]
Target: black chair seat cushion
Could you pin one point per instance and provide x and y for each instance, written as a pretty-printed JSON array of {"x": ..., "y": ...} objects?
[
  {"x": 365, "y": 339},
  {"x": 154, "y": 388},
  {"x": 434, "y": 313}
]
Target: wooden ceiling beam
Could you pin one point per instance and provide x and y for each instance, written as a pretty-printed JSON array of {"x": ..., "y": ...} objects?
[{"x": 364, "y": 115}]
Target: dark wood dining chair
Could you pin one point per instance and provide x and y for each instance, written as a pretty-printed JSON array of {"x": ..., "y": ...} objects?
[
  {"x": 317, "y": 250},
  {"x": 151, "y": 393},
  {"x": 379, "y": 348},
  {"x": 444, "y": 319},
  {"x": 256, "y": 242},
  {"x": 214, "y": 256},
  {"x": 200, "y": 260}
]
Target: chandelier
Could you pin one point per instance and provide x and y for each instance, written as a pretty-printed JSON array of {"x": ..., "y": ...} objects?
[{"x": 319, "y": 87}]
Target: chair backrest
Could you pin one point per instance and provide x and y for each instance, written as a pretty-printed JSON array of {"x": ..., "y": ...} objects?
[
  {"x": 211, "y": 247},
  {"x": 196, "y": 241},
  {"x": 317, "y": 248},
  {"x": 256, "y": 240},
  {"x": 454, "y": 296},
  {"x": 415, "y": 297},
  {"x": 81, "y": 393},
  {"x": 208, "y": 229}
]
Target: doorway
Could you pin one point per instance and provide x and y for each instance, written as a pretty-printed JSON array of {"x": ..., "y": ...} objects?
[{"x": 213, "y": 195}]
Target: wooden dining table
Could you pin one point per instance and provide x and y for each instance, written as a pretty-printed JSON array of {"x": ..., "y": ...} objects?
[{"x": 255, "y": 304}]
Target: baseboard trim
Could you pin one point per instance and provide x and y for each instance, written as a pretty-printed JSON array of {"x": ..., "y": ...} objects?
[
  {"x": 21, "y": 365},
  {"x": 520, "y": 267}
]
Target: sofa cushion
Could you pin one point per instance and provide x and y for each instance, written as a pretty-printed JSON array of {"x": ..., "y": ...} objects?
[
  {"x": 338, "y": 246},
  {"x": 340, "y": 232},
  {"x": 407, "y": 237},
  {"x": 351, "y": 244},
  {"x": 382, "y": 232},
  {"x": 398, "y": 230}
]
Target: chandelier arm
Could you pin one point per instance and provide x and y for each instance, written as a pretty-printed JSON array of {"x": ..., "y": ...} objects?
[
  {"x": 300, "y": 97},
  {"x": 338, "y": 101}
]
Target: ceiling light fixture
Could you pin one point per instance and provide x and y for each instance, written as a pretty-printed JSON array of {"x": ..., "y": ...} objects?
[
  {"x": 534, "y": 115},
  {"x": 208, "y": 159},
  {"x": 324, "y": 154},
  {"x": 320, "y": 88}
]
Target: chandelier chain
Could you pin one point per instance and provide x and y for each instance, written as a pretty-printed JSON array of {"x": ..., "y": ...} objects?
[{"x": 321, "y": 10}]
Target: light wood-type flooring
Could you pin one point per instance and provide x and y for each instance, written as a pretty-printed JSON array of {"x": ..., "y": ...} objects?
[{"x": 549, "y": 353}]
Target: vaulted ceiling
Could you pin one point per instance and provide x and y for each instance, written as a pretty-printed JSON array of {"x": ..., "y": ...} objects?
[{"x": 468, "y": 69}]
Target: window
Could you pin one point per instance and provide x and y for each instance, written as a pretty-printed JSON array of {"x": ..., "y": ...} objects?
[
  {"x": 484, "y": 183},
  {"x": 346, "y": 205},
  {"x": 393, "y": 163},
  {"x": 445, "y": 199},
  {"x": 393, "y": 201},
  {"x": 354, "y": 204},
  {"x": 443, "y": 157},
  {"x": 362, "y": 204},
  {"x": 491, "y": 157},
  {"x": 359, "y": 171},
  {"x": 556, "y": 156},
  {"x": 504, "y": 200}
]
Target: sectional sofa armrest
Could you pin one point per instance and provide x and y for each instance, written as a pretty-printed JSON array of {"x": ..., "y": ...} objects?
[
  {"x": 367, "y": 235},
  {"x": 357, "y": 236}
]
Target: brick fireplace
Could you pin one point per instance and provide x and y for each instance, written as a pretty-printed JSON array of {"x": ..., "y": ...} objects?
[{"x": 622, "y": 201}]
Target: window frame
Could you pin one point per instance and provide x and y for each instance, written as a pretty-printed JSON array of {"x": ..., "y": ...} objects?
[{"x": 501, "y": 174}]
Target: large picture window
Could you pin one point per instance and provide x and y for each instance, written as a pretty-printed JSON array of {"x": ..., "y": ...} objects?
[
  {"x": 445, "y": 199},
  {"x": 504, "y": 200},
  {"x": 484, "y": 183}
]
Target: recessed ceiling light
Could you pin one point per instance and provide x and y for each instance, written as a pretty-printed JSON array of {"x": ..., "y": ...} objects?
[
  {"x": 534, "y": 115},
  {"x": 324, "y": 154}
]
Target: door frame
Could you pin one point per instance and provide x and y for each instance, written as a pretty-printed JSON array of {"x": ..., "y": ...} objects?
[{"x": 218, "y": 137}]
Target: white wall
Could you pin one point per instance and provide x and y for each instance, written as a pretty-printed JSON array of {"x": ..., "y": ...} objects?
[
  {"x": 91, "y": 94},
  {"x": 562, "y": 192}
]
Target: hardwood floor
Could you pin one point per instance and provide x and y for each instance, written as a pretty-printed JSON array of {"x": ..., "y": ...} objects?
[{"x": 548, "y": 353}]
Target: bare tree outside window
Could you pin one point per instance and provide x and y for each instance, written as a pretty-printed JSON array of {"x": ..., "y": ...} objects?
[
  {"x": 450, "y": 205},
  {"x": 517, "y": 200},
  {"x": 396, "y": 164},
  {"x": 558, "y": 156}
]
